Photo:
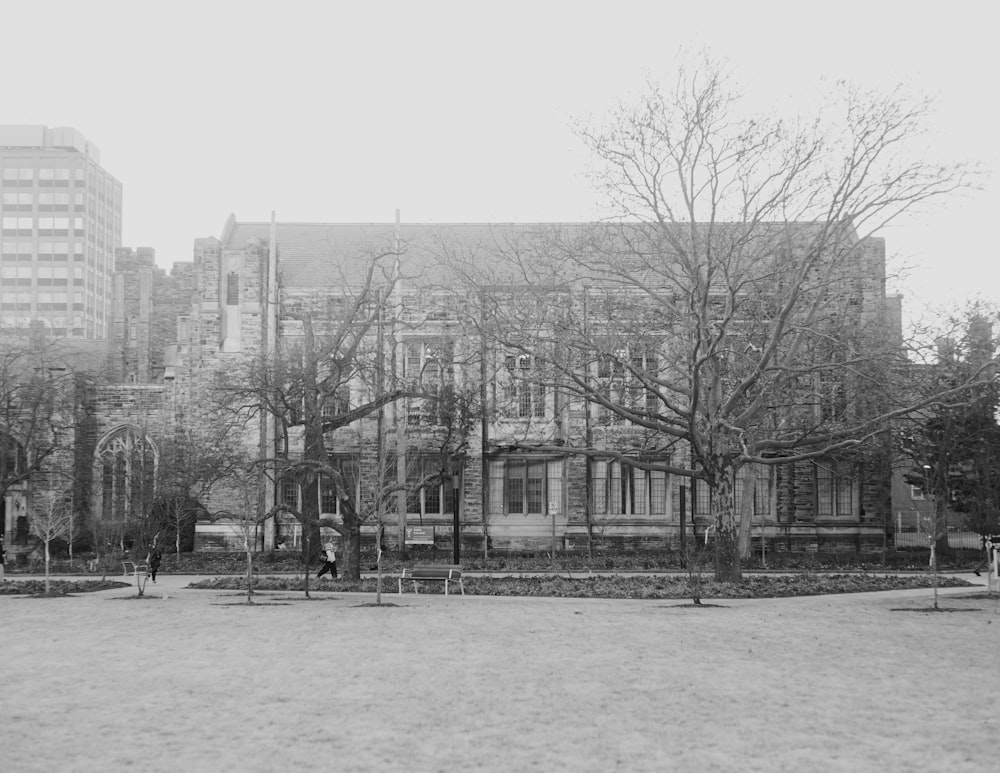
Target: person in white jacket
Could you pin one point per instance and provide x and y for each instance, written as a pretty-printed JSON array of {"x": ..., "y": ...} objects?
[{"x": 329, "y": 562}]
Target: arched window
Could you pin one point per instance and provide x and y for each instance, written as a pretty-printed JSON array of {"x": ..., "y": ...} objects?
[
  {"x": 128, "y": 471},
  {"x": 12, "y": 459}
]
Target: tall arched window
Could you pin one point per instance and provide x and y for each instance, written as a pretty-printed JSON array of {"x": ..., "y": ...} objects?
[
  {"x": 12, "y": 459},
  {"x": 128, "y": 471}
]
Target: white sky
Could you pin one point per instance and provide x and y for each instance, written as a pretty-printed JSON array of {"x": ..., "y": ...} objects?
[{"x": 460, "y": 111}]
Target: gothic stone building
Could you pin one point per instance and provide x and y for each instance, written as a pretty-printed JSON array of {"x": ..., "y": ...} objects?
[{"x": 243, "y": 296}]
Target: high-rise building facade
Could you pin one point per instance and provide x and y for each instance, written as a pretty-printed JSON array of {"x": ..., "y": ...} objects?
[{"x": 61, "y": 224}]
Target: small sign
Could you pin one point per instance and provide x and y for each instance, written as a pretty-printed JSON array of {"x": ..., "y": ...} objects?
[{"x": 420, "y": 535}]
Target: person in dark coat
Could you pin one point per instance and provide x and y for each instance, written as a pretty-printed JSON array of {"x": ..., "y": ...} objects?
[{"x": 155, "y": 557}]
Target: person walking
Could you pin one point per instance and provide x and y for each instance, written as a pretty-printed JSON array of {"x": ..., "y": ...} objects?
[
  {"x": 329, "y": 562},
  {"x": 154, "y": 559},
  {"x": 989, "y": 543}
]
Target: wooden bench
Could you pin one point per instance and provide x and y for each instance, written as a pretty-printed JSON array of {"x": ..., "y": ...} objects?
[{"x": 446, "y": 573}]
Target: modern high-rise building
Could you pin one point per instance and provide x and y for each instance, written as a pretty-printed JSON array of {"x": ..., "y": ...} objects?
[{"x": 61, "y": 224}]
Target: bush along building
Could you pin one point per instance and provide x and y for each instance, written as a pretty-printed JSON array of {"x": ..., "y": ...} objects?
[{"x": 534, "y": 386}]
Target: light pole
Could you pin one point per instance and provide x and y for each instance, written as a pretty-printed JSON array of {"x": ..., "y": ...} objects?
[
  {"x": 456, "y": 487},
  {"x": 930, "y": 516}
]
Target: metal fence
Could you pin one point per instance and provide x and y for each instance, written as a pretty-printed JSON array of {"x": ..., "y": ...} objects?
[{"x": 918, "y": 538}]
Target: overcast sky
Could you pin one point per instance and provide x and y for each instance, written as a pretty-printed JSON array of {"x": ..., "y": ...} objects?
[{"x": 460, "y": 111}]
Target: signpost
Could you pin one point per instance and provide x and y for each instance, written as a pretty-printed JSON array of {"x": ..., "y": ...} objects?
[{"x": 419, "y": 535}]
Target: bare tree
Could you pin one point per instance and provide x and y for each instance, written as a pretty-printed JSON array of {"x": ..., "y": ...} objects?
[
  {"x": 40, "y": 379},
  {"x": 735, "y": 313},
  {"x": 948, "y": 451},
  {"x": 243, "y": 478},
  {"x": 192, "y": 461},
  {"x": 309, "y": 387},
  {"x": 51, "y": 519}
]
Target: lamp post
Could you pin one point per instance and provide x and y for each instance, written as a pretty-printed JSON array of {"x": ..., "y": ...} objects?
[
  {"x": 934, "y": 533},
  {"x": 456, "y": 486},
  {"x": 930, "y": 517}
]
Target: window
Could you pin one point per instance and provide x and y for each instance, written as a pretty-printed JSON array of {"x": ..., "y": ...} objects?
[
  {"x": 20, "y": 226},
  {"x": 18, "y": 202},
  {"x": 341, "y": 490},
  {"x": 917, "y": 492},
  {"x": 525, "y": 486},
  {"x": 289, "y": 494},
  {"x": 831, "y": 395},
  {"x": 430, "y": 490},
  {"x": 701, "y": 494},
  {"x": 18, "y": 177},
  {"x": 761, "y": 494},
  {"x": 15, "y": 275},
  {"x": 620, "y": 379},
  {"x": 428, "y": 364},
  {"x": 232, "y": 289},
  {"x": 429, "y": 361},
  {"x": 336, "y": 404},
  {"x": 128, "y": 467},
  {"x": 620, "y": 489},
  {"x": 12, "y": 458},
  {"x": 15, "y": 250},
  {"x": 522, "y": 390},
  {"x": 835, "y": 489}
]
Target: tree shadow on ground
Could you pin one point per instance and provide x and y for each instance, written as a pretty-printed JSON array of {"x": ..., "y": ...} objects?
[
  {"x": 699, "y": 605},
  {"x": 251, "y": 604},
  {"x": 383, "y": 604}
]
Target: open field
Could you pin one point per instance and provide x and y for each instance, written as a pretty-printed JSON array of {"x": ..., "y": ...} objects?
[{"x": 191, "y": 680}]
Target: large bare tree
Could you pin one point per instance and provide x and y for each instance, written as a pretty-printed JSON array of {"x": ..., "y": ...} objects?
[
  {"x": 733, "y": 313},
  {"x": 43, "y": 383}
]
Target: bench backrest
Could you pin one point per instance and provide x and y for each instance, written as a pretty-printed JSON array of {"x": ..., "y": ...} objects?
[{"x": 436, "y": 571}]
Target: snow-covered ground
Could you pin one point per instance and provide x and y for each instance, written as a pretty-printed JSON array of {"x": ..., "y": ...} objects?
[{"x": 190, "y": 680}]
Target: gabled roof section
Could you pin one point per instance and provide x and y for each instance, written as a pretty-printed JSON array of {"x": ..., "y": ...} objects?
[
  {"x": 330, "y": 254},
  {"x": 314, "y": 255}
]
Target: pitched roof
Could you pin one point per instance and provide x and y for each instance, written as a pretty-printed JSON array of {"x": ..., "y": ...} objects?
[
  {"x": 327, "y": 254},
  {"x": 314, "y": 255}
]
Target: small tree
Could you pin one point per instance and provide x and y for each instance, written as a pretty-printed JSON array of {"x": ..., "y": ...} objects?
[
  {"x": 51, "y": 518},
  {"x": 244, "y": 479}
]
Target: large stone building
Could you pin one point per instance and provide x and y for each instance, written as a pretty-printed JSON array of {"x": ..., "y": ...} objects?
[
  {"x": 61, "y": 224},
  {"x": 245, "y": 296}
]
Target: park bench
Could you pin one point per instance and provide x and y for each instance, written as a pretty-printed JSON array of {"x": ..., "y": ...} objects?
[
  {"x": 133, "y": 568},
  {"x": 446, "y": 573}
]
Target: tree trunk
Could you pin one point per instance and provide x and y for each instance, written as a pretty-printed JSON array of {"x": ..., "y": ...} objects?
[
  {"x": 249, "y": 573},
  {"x": 941, "y": 547},
  {"x": 351, "y": 570},
  {"x": 312, "y": 542},
  {"x": 746, "y": 510},
  {"x": 307, "y": 551},
  {"x": 728, "y": 567},
  {"x": 46, "y": 566}
]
